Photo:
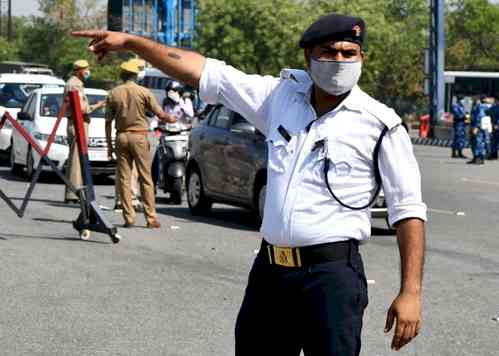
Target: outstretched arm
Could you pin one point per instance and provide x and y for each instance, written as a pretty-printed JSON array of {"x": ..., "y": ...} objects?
[{"x": 183, "y": 65}]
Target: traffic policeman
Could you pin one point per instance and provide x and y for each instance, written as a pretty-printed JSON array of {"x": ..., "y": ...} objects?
[
  {"x": 330, "y": 146},
  {"x": 127, "y": 105},
  {"x": 81, "y": 73},
  {"x": 493, "y": 112},
  {"x": 459, "y": 125},
  {"x": 479, "y": 132}
]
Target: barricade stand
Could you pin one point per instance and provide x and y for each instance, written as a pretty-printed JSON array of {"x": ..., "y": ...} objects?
[{"x": 91, "y": 218}]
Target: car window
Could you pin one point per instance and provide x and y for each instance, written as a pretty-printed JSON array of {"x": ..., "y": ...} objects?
[
  {"x": 223, "y": 118},
  {"x": 15, "y": 95},
  {"x": 238, "y": 119},
  {"x": 212, "y": 116},
  {"x": 94, "y": 99},
  {"x": 50, "y": 104}
]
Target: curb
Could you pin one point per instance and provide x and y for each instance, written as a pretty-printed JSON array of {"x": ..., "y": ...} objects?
[{"x": 440, "y": 142}]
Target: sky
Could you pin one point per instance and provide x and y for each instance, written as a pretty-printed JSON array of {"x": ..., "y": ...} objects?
[{"x": 30, "y": 7}]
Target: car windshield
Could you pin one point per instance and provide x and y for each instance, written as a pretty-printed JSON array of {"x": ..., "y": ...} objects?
[
  {"x": 15, "y": 95},
  {"x": 50, "y": 104}
]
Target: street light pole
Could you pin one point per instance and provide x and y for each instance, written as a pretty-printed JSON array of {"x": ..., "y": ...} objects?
[
  {"x": 10, "y": 21},
  {"x": 436, "y": 62}
]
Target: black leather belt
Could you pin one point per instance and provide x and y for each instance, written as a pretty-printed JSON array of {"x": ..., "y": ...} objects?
[{"x": 308, "y": 255}]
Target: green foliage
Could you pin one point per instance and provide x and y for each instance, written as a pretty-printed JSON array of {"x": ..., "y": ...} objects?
[
  {"x": 473, "y": 35},
  {"x": 8, "y": 51},
  {"x": 261, "y": 36},
  {"x": 257, "y": 36}
]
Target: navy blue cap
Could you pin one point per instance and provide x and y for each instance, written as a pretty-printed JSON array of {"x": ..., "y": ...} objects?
[{"x": 334, "y": 27}]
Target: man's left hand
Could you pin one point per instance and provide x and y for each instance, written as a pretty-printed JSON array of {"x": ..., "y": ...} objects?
[{"x": 406, "y": 309}]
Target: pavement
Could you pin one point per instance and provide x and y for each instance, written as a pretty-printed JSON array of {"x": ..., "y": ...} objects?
[{"x": 176, "y": 291}]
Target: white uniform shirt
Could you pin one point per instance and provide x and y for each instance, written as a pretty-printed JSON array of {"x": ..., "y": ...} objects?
[{"x": 299, "y": 210}]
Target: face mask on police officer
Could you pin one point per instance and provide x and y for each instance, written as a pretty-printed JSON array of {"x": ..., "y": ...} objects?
[
  {"x": 86, "y": 75},
  {"x": 335, "y": 77},
  {"x": 141, "y": 75}
]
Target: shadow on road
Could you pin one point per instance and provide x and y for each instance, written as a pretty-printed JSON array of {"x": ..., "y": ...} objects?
[
  {"x": 229, "y": 217},
  {"x": 7, "y": 237},
  {"x": 52, "y": 178},
  {"x": 58, "y": 221}
]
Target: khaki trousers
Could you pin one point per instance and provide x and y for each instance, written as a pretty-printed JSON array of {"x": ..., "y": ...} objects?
[
  {"x": 135, "y": 148},
  {"x": 73, "y": 169},
  {"x": 134, "y": 185}
]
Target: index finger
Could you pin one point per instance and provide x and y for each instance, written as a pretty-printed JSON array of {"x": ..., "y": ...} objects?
[{"x": 88, "y": 33}]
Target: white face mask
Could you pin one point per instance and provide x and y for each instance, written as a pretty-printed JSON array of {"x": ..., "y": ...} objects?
[
  {"x": 335, "y": 77},
  {"x": 141, "y": 75}
]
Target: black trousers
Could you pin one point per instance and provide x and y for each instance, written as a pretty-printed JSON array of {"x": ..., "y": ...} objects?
[{"x": 317, "y": 309}]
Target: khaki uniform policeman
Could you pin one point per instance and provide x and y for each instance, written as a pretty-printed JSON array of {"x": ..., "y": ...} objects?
[
  {"x": 75, "y": 83},
  {"x": 127, "y": 105},
  {"x": 141, "y": 64}
]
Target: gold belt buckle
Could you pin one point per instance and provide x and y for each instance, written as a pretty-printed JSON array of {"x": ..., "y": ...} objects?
[{"x": 283, "y": 256}]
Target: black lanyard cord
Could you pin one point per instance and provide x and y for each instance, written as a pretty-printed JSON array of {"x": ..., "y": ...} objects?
[{"x": 377, "y": 176}]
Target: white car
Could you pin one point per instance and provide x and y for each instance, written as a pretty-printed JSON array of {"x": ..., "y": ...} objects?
[
  {"x": 14, "y": 92},
  {"x": 38, "y": 117}
]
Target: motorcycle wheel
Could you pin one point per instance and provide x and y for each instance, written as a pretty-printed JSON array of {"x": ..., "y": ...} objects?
[{"x": 176, "y": 192}]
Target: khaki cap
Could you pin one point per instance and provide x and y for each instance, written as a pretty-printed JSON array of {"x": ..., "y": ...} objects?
[
  {"x": 130, "y": 67},
  {"x": 81, "y": 64},
  {"x": 138, "y": 62}
]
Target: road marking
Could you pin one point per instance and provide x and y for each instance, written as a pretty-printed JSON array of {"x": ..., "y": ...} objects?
[
  {"x": 440, "y": 211},
  {"x": 478, "y": 181}
]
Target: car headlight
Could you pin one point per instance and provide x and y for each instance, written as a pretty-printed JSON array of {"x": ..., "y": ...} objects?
[{"x": 61, "y": 140}]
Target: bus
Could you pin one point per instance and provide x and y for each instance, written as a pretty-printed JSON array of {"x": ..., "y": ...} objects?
[
  {"x": 156, "y": 81},
  {"x": 469, "y": 84}
]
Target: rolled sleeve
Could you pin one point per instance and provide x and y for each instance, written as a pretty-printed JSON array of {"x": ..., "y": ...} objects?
[
  {"x": 249, "y": 95},
  {"x": 401, "y": 177}
]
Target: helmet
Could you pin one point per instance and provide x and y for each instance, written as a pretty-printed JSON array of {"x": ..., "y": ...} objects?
[{"x": 174, "y": 85}]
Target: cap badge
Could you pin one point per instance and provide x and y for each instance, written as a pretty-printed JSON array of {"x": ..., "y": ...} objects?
[{"x": 357, "y": 30}]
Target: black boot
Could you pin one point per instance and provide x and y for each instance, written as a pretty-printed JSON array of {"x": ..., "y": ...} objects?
[
  {"x": 454, "y": 153},
  {"x": 460, "y": 154},
  {"x": 473, "y": 161}
]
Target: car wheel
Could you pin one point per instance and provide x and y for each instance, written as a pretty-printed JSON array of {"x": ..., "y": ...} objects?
[
  {"x": 260, "y": 202},
  {"x": 30, "y": 164},
  {"x": 199, "y": 204},
  {"x": 15, "y": 168},
  {"x": 176, "y": 193}
]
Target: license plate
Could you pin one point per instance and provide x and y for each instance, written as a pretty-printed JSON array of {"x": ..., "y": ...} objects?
[{"x": 97, "y": 155}]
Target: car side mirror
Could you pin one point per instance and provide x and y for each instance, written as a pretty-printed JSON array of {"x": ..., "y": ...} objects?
[
  {"x": 24, "y": 116},
  {"x": 243, "y": 128}
]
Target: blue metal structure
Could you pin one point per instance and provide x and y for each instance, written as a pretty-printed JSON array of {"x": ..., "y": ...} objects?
[
  {"x": 436, "y": 58},
  {"x": 168, "y": 21}
]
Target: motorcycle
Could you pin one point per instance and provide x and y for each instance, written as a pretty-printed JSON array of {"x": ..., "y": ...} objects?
[{"x": 169, "y": 161}]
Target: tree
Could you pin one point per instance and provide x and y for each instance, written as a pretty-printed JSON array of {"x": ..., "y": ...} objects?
[
  {"x": 473, "y": 35},
  {"x": 257, "y": 36},
  {"x": 265, "y": 40}
]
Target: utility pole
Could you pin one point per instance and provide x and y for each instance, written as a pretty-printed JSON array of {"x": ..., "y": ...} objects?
[
  {"x": 436, "y": 62},
  {"x": 9, "y": 22}
]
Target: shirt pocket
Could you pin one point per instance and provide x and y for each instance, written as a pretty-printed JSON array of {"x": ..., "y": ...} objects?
[
  {"x": 340, "y": 167},
  {"x": 279, "y": 153}
]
